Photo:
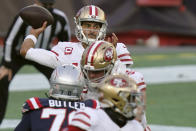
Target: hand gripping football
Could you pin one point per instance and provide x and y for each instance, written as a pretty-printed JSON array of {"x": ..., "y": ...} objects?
[{"x": 36, "y": 15}]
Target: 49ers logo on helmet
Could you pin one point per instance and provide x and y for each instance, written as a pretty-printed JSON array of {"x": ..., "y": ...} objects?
[
  {"x": 108, "y": 55},
  {"x": 119, "y": 82}
]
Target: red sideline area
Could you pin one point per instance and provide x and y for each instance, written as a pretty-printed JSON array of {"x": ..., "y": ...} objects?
[
  {"x": 160, "y": 3},
  {"x": 132, "y": 37},
  {"x": 164, "y": 39}
]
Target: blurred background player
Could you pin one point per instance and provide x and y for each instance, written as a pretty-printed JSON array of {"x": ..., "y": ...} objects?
[
  {"x": 91, "y": 26},
  {"x": 121, "y": 108},
  {"x": 53, "y": 113},
  {"x": 12, "y": 60}
]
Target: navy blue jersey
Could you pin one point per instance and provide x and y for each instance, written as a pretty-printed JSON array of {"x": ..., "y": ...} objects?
[{"x": 43, "y": 114}]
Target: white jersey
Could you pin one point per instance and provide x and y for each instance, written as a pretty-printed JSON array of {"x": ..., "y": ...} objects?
[
  {"x": 120, "y": 68},
  {"x": 97, "y": 120},
  {"x": 138, "y": 77},
  {"x": 70, "y": 53}
]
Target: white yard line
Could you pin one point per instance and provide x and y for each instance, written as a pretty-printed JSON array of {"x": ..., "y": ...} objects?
[
  {"x": 27, "y": 82},
  {"x": 152, "y": 75},
  {"x": 168, "y": 74}
]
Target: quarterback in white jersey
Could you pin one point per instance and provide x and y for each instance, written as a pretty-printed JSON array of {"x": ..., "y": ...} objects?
[
  {"x": 122, "y": 108},
  {"x": 91, "y": 26},
  {"x": 69, "y": 53}
]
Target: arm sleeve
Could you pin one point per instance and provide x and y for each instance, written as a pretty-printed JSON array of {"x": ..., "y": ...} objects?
[
  {"x": 25, "y": 123},
  {"x": 43, "y": 57},
  {"x": 123, "y": 54},
  {"x": 83, "y": 119},
  {"x": 140, "y": 81},
  {"x": 11, "y": 40}
]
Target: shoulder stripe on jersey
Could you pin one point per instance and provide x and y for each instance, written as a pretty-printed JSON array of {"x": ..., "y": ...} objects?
[
  {"x": 79, "y": 120},
  {"x": 55, "y": 53},
  {"x": 34, "y": 103},
  {"x": 38, "y": 102},
  {"x": 140, "y": 84},
  {"x": 126, "y": 60},
  {"x": 30, "y": 104},
  {"x": 83, "y": 113},
  {"x": 126, "y": 54}
]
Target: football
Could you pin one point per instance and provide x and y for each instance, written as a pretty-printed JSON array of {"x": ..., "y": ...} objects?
[{"x": 35, "y": 16}]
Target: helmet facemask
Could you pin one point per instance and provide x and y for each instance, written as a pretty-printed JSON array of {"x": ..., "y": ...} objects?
[
  {"x": 65, "y": 92},
  {"x": 121, "y": 94},
  {"x": 132, "y": 101}
]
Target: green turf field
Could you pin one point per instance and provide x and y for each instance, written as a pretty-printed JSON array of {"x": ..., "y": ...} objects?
[
  {"x": 172, "y": 104},
  {"x": 164, "y": 59},
  {"x": 167, "y": 104}
]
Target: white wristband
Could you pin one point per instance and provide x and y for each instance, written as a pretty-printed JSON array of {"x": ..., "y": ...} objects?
[{"x": 32, "y": 37}]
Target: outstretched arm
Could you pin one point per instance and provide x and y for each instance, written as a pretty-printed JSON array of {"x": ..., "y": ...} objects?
[
  {"x": 31, "y": 39},
  {"x": 41, "y": 56}
]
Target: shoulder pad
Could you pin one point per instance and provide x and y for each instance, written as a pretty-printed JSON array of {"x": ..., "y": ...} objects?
[{"x": 34, "y": 103}]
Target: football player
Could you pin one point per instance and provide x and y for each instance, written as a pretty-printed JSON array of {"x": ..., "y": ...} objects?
[
  {"x": 91, "y": 26},
  {"x": 53, "y": 113},
  {"x": 100, "y": 60},
  {"x": 122, "y": 108}
]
